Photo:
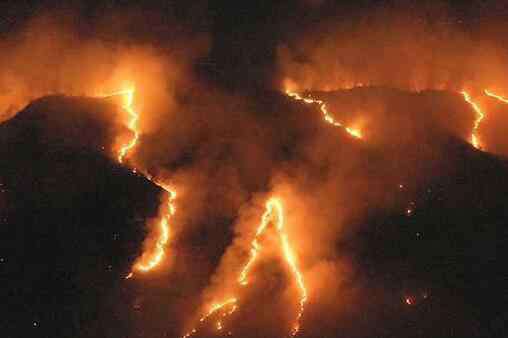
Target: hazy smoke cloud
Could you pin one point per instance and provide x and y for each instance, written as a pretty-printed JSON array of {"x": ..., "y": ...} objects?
[
  {"x": 411, "y": 49},
  {"x": 52, "y": 56}
]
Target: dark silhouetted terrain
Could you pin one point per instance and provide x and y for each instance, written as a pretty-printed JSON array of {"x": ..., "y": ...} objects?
[{"x": 73, "y": 219}]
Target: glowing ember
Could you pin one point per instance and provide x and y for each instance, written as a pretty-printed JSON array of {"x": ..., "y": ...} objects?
[
  {"x": 497, "y": 97},
  {"x": 479, "y": 117},
  {"x": 326, "y": 114},
  {"x": 274, "y": 213}
]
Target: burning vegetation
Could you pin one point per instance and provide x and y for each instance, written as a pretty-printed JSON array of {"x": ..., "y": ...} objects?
[{"x": 309, "y": 209}]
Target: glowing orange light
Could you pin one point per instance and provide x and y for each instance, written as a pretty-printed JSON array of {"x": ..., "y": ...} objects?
[
  {"x": 128, "y": 96},
  {"x": 326, "y": 114},
  {"x": 274, "y": 212},
  {"x": 479, "y": 117},
  {"x": 215, "y": 307},
  {"x": 148, "y": 260},
  {"x": 274, "y": 206},
  {"x": 497, "y": 97}
]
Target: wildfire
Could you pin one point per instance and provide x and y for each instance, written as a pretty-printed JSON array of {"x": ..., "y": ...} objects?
[
  {"x": 128, "y": 96},
  {"x": 232, "y": 302},
  {"x": 479, "y": 117},
  {"x": 497, "y": 97},
  {"x": 326, "y": 114},
  {"x": 274, "y": 213},
  {"x": 150, "y": 259}
]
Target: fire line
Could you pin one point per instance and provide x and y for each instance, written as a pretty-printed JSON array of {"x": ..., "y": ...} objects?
[
  {"x": 157, "y": 255},
  {"x": 128, "y": 95},
  {"x": 148, "y": 260},
  {"x": 480, "y": 115},
  {"x": 326, "y": 114},
  {"x": 274, "y": 213},
  {"x": 474, "y": 139},
  {"x": 497, "y": 97}
]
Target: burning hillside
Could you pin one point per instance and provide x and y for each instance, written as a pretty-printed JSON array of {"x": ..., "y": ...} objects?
[
  {"x": 425, "y": 191},
  {"x": 217, "y": 174}
]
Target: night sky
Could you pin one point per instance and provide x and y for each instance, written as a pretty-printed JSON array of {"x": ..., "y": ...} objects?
[{"x": 399, "y": 234}]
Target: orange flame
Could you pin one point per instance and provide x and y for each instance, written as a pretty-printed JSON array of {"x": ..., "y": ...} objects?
[
  {"x": 274, "y": 205},
  {"x": 148, "y": 260},
  {"x": 213, "y": 309},
  {"x": 128, "y": 95},
  {"x": 479, "y": 117},
  {"x": 326, "y": 114},
  {"x": 273, "y": 210},
  {"x": 498, "y": 97}
]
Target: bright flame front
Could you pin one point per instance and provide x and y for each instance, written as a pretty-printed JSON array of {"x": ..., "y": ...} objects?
[
  {"x": 496, "y": 96},
  {"x": 154, "y": 254},
  {"x": 274, "y": 214},
  {"x": 479, "y": 117},
  {"x": 326, "y": 114},
  {"x": 128, "y": 106}
]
